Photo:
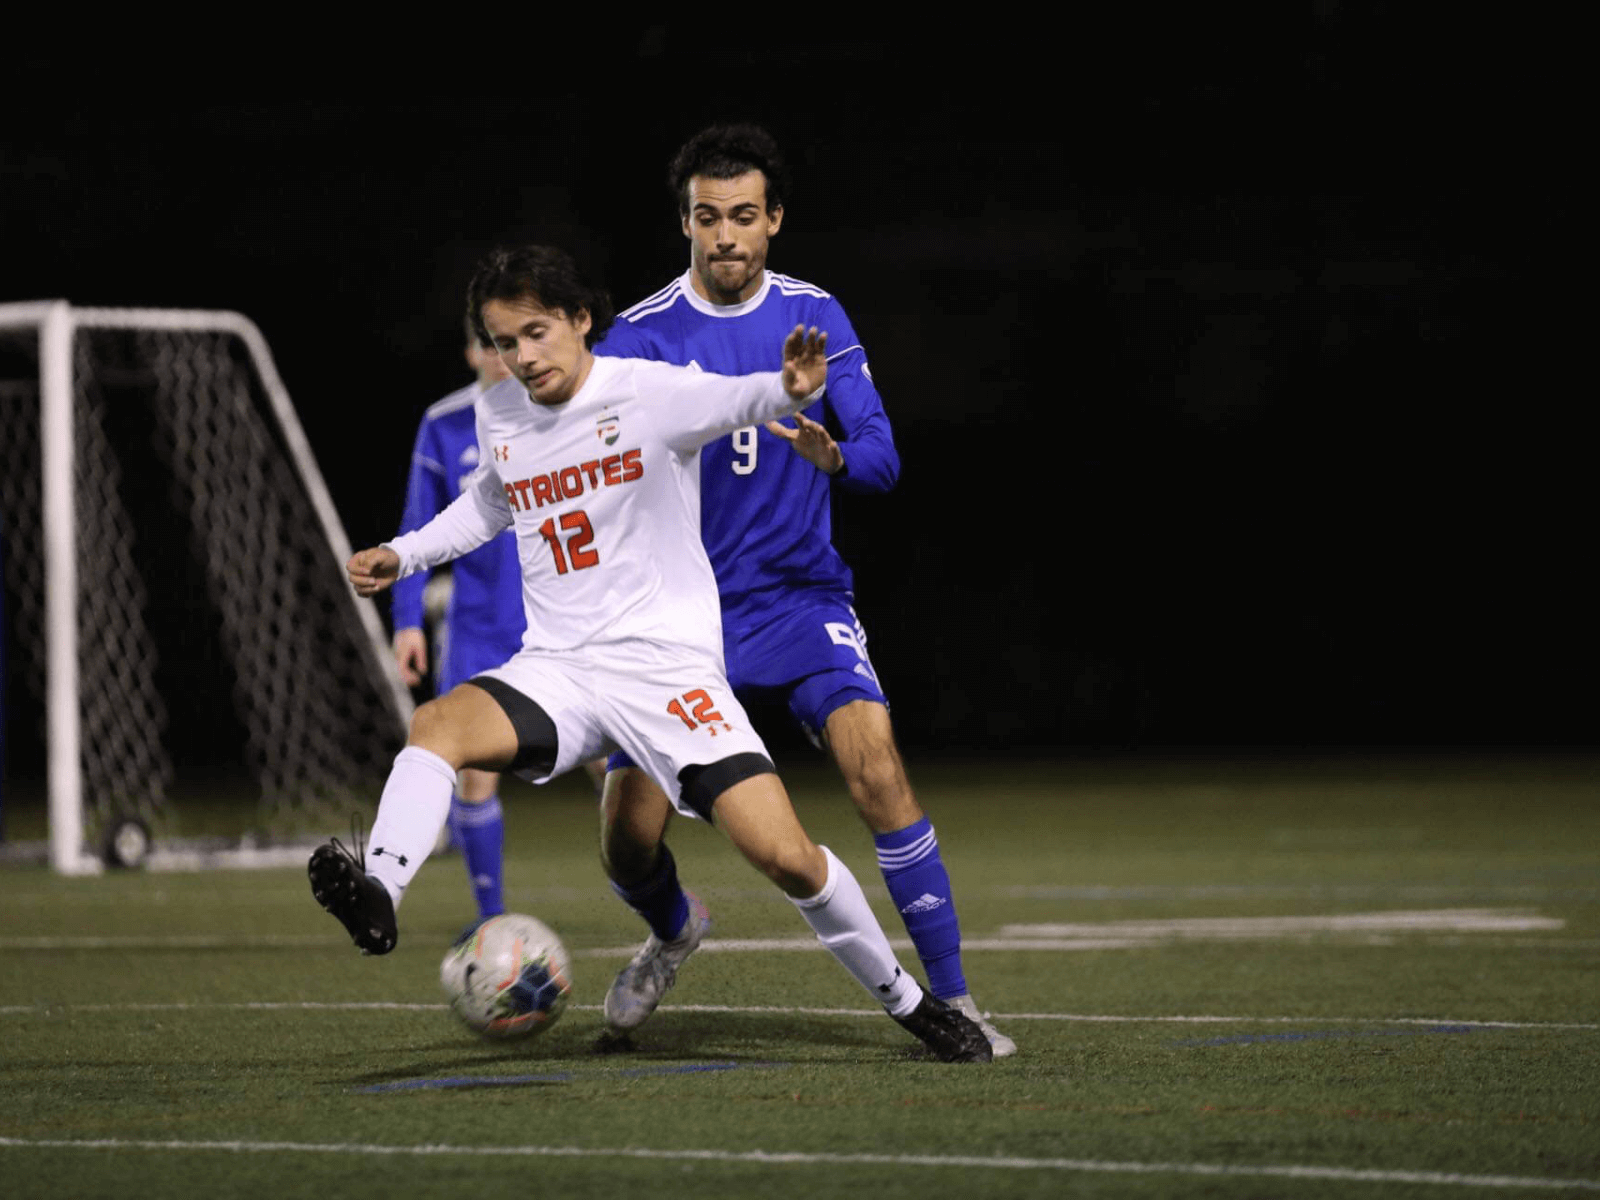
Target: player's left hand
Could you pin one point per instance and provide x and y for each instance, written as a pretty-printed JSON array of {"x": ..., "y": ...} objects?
[
  {"x": 811, "y": 442},
  {"x": 805, "y": 361}
]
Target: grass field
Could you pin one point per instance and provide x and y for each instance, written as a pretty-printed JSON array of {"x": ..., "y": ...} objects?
[{"x": 1358, "y": 977}]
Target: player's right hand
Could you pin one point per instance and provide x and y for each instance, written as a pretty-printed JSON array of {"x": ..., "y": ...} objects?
[
  {"x": 373, "y": 570},
  {"x": 411, "y": 655},
  {"x": 805, "y": 361}
]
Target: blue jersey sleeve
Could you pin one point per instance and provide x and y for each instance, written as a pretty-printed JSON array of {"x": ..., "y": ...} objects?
[
  {"x": 427, "y": 494},
  {"x": 871, "y": 462}
]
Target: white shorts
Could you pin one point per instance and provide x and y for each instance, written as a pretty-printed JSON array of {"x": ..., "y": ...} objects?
[{"x": 670, "y": 710}]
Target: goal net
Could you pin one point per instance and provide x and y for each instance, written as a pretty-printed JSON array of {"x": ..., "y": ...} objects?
[{"x": 184, "y": 657}]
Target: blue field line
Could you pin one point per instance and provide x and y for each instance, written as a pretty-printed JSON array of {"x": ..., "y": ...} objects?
[
  {"x": 478, "y": 1081},
  {"x": 1320, "y": 1035}
]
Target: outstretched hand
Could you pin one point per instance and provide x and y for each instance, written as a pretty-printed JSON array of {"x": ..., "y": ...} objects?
[
  {"x": 811, "y": 442},
  {"x": 373, "y": 570},
  {"x": 805, "y": 361}
]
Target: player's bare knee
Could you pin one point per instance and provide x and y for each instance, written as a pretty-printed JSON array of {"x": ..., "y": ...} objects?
[
  {"x": 432, "y": 728},
  {"x": 861, "y": 740},
  {"x": 797, "y": 867},
  {"x": 883, "y": 795},
  {"x": 624, "y": 856}
]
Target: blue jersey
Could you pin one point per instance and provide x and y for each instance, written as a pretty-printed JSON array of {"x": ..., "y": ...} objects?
[
  {"x": 765, "y": 512},
  {"x": 485, "y": 616}
]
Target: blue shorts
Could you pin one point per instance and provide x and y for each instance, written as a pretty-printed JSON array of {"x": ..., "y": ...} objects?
[
  {"x": 810, "y": 651},
  {"x": 464, "y": 655}
]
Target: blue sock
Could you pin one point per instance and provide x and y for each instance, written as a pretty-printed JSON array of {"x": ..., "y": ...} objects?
[
  {"x": 659, "y": 899},
  {"x": 480, "y": 829},
  {"x": 920, "y": 888}
]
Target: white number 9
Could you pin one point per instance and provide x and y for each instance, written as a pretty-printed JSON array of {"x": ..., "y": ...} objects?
[{"x": 744, "y": 442}]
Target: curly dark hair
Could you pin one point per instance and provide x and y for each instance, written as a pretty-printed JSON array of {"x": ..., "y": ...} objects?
[
  {"x": 726, "y": 152},
  {"x": 541, "y": 273}
]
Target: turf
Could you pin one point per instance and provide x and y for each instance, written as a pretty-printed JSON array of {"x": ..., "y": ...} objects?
[{"x": 1157, "y": 936}]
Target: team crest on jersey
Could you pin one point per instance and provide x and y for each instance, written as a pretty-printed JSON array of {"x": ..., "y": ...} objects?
[{"x": 608, "y": 430}]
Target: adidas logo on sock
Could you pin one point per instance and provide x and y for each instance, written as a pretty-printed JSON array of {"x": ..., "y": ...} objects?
[{"x": 926, "y": 902}]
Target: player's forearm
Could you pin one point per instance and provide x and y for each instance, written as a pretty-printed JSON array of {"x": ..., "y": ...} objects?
[
  {"x": 465, "y": 525},
  {"x": 425, "y": 499},
  {"x": 730, "y": 402},
  {"x": 871, "y": 465},
  {"x": 407, "y": 600}
]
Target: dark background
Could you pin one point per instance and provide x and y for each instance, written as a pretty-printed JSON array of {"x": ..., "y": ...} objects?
[{"x": 1213, "y": 353}]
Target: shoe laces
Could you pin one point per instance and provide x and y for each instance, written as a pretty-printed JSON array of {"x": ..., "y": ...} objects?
[
  {"x": 652, "y": 960},
  {"x": 360, "y": 855}
]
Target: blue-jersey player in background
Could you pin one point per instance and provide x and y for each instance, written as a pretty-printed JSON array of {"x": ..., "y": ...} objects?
[
  {"x": 484, "y": 620},
  {"x": 789, "y": 625}
]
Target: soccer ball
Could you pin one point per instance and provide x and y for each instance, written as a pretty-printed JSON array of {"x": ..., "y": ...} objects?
[{"x": 507, "y": 977}]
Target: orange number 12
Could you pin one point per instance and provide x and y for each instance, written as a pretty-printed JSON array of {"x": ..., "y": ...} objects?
[
  {"x": 701, "y": 709},
  {"x": 578, "y": 550}
]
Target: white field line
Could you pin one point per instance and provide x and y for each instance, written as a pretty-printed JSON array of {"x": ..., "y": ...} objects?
[
  {"x": 1108, "y": 935},
  {"x": 1307, "y": 891},
  {"x": 1448, "y": 920},
  {"x": 13, "y": 1010},
  {"x": 798, "y": 1159}
]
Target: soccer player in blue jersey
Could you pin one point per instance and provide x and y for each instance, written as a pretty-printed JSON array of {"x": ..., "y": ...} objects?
[
  {"x": 789, "y": 625},
  {"x": 484, "y": 620}
]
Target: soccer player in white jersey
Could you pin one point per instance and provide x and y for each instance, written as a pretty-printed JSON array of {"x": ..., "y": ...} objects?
[
  {"x": 483, "y": 621},
  {"x": 789, "y": 625},
  {"x": 595, "y": 463}
]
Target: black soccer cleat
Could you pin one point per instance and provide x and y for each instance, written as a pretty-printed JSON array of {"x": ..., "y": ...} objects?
[
  {"x": 949, "y": 1035},
  {"x": 340, "y": 883}
]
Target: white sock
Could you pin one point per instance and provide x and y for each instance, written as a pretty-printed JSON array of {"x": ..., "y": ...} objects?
[
  {"x": 844, "y": 923},
  {"x": 412, "y": 810}
]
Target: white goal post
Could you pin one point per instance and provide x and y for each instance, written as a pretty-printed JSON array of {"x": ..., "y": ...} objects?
[{"x": 173, "y": 563}]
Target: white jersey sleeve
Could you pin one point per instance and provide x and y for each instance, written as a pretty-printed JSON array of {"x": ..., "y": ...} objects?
[
  {"x": 470, "y": 520},
  {"x": 705, "y": 406}
]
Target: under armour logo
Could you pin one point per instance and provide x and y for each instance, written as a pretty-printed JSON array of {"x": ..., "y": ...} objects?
[
  {"x": 399, "y": 858},
  {"x": 502, "y": 453}
]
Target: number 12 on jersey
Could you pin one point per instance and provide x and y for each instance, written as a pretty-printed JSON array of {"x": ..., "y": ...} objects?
[{"x": 578, "y": 552}]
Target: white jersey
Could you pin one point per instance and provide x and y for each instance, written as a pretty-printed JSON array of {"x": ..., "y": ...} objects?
[{"x": 604, "y": 494}]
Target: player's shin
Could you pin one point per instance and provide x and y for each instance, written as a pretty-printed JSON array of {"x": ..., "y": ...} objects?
[
  {"x": 659, "y": 898},
  {"x": 412, "y": 810},
  {"x": 479, "y": 828},
  {"x": 919, "y": 885},
  {"x": 844, "y": 923}
]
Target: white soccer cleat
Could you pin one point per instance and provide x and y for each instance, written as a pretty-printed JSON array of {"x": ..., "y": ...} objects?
[
  {"x": 639, "y": 986},
  {"x": 1003, "y": 1046}
]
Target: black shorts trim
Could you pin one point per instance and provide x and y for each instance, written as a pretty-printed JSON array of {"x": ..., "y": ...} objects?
[
  {"x": 536, "y": 732},
  {"x": 702, "y": 783}
]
